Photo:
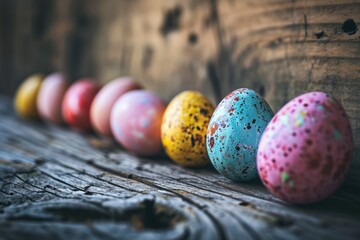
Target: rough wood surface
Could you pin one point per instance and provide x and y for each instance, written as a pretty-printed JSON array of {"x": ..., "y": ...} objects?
[{"x": 59, "y": 184}]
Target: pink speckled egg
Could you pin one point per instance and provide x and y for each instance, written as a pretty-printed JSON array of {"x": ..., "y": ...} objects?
[
  {"x": 76, "y": 103},
  {"x": 305, "y": 151},
  {"x": 105, "y": 100},
  {"x": 50, "y": 97},
  {"x": 135, "y": 121}
]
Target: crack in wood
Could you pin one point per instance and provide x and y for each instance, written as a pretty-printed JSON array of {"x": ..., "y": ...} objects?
[
  {"x": 34, "y": 186},
  {"x": 305, "y": 27}
]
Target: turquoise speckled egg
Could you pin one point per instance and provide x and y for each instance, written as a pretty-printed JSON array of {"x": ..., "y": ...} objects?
[{"x": 234, "y": 133}]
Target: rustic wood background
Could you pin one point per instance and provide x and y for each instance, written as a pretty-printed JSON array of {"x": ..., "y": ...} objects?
[
  {"x": 280, "y": 48},
  {"x": 89, "y": 188}
]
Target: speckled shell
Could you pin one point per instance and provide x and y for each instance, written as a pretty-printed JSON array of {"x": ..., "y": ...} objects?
[
  {"x": 26, "y": 95},
  {"x": 305, "y": 151},
  {"x": 135, "y": 121},
  {"x": 234, "y": 133},
  {"x": 184, "y": 126}
]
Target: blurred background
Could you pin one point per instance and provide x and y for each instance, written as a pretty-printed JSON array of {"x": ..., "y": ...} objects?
[{"x": 279, "y": 48}]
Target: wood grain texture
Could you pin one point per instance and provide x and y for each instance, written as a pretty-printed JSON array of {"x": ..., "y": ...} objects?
[
  {"x": 59, "y": 184},
  {"x": 285, "y": 48}
]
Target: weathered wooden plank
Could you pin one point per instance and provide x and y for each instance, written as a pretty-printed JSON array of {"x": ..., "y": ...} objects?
[{"x": 56, "y": 183}]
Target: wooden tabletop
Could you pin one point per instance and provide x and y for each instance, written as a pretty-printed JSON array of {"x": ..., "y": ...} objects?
[{"x": 56, "y": 183}]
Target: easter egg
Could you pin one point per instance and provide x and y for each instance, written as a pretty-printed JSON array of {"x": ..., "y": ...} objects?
[
  {"x": 135, "y": 122},
  {"x": 234, "y": 133},
  {"x": 305, "y": 151},
  {"x": 76, "y": 104},
  {"x": 50, "y": 97},
  {"x": 184, "y": 126},
  {"x": 105, "y": 100},
  {"x": 26, "y": 95}
]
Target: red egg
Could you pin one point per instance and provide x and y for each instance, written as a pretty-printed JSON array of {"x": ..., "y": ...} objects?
[
  {"x": 135, "y": 122},
  {"x": 50, "y": 97},
  {"x": 105, "y": 100},
  {"x": 77, "y": 102}
]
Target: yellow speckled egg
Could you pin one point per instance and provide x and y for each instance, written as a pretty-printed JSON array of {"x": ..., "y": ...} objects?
[
  {"x": 184, "y": 126},
  {"x": 26, "y": 95}
]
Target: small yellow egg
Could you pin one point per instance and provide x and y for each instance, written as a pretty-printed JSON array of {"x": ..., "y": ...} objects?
[
  {"x": 184, "y": 127},
  {"x": 25, "y": 98}
]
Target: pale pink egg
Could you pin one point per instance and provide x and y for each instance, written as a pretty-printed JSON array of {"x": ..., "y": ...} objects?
[
  {"x": 305, "y": 151},
  {"x": 136, "y": 120},
  {"x": 105, "y": 100},
  {"x": 50, "y": 97}
]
